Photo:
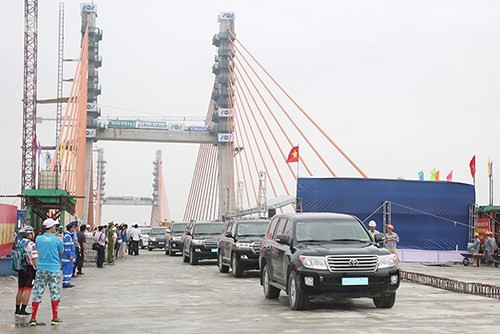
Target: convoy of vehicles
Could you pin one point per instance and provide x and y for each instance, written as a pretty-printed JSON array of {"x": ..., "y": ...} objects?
[{"x": 309, "y": 256}]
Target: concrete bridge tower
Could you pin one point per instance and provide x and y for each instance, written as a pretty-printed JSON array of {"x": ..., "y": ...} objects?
[
  {"x": 223, "y": 115},
  {"x": 89, "y": 17}
]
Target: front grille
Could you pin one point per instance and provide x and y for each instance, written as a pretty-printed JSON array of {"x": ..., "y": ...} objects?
[
  {"x": 210, "y": 243},
  {"x": 352, "y": 263},
  {"x": 256, "y": 247}
]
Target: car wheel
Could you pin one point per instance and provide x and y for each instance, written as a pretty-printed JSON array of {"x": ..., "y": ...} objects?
[
  {"x": 170, "y": 251},
  {"x": 185, "y": 258},
  {"x": 466, "y": 262},
  {"x": 150, "y": 249},
  {"x": 192, "y": 257},
  {"x": 270, "y": 292},
  {"x": 385, "y": 301},
  {"x": 222, "y": 267},
  {"x": 296, "y": 299},
  {"x": 237, "y": 270}
]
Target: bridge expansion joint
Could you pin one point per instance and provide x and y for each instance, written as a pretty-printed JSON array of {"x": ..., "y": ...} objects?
[{"x": 472, "y": 288}]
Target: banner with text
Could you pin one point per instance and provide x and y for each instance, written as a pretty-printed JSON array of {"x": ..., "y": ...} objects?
[{"x": 8, "y": 219}]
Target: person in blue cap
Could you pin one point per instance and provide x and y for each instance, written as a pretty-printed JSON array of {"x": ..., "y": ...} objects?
[{"x": 69, "y": 256}]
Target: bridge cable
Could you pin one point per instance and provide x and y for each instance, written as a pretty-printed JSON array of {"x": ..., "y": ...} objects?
[{"x": 303, "y": 111}]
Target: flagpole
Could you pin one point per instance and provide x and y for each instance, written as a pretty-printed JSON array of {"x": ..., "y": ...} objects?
[{"x": 298, "y": 163}]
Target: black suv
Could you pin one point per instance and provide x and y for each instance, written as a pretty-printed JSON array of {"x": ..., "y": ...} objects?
[
  {"x": 239, "y": 245},
  {"x": 314, "y": 255},
  {"x": 173, "y": 241},
  {"x": 200, "y": 241},
  {"x": 156, "y": 238}
]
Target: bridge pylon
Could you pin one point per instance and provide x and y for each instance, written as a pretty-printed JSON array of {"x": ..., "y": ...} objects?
[{"x": 223, "y": 115}]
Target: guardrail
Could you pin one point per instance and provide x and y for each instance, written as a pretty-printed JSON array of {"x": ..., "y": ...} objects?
[{"x": 479, "y": 289}]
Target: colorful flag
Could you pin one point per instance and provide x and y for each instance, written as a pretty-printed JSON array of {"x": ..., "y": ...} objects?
[
  {"x": 39, "y": 148},
  {"x": 421, "y": 175},
  {"x": 472, "y": 166},
  {"x": 449, "y": 177},
  {"x": 490, "y": 168},
  {"x": 437, "y": 176},
  {"x": 433, "y": 174},
  {"x": 293, "y": 156}
]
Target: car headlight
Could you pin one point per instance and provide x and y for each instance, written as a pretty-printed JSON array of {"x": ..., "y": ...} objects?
[
  {"x": 152, "y": 239},
  {"x": 197, "y": 242},
  {"x": 386, "y": 261},
  {"x": 243, "y": 245},
  {"x": 313, "y": 262}
]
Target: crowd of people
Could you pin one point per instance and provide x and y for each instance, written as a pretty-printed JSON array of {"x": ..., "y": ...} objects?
[{"x": 49, "y": 258}]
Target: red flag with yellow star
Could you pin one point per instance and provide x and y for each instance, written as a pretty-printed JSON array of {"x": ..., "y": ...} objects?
[{"x": 293, "y": 156}]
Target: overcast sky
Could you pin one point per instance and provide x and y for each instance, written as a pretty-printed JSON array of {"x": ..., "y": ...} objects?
[{"x": 401, "y": 86}]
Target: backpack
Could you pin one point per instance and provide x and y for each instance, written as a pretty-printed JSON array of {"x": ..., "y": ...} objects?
[{"x": 19, "y": 261}]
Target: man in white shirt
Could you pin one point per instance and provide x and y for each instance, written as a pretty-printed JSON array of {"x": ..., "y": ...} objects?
[
  {"x": 135, "y": 237},
  {"x": 372, "y": 225}
]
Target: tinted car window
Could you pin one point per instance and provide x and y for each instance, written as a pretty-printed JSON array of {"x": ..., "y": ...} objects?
[
  {"x": 252, "y": 229},
  {"x": 178, "y": 228},
  {"x": 145, "y": 230},
  {"x": 208, "y": 228},
  {"x": 328, "y": 230},
  {"x": 272, "y": 227}
]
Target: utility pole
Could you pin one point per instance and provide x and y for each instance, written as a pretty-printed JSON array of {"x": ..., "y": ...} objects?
[{"x": 29, "y": 142}]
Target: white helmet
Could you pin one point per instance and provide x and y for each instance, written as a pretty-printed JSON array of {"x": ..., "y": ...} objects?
[{"x": 372, "y": 223}]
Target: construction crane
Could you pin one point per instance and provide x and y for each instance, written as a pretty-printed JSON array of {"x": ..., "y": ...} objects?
[{"x": 29, "y": 142}]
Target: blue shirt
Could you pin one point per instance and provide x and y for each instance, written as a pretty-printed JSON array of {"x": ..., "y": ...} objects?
[
  {"x": 69, "y": 246},
  {"x": 49, "y": 247}
]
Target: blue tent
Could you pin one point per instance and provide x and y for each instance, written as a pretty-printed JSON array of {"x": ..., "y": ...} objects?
[{"x": 426, "y": 215}]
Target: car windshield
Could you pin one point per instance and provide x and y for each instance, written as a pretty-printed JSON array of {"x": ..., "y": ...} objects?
[
  {"x": 331, "y": 230},
  {"x": 206, "y": 228},
  {"x": 252, "y": 229},
  {"x": 145, "y": 231},
  {"x": 158, "y": 231},
  {"x": 178, "y": 228}
]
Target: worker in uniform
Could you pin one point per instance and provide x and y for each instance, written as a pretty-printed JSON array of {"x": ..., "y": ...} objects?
[
  {"x": 391, "y": 241},
  {"x": 372, "y": 225},
  {"x": 69, "y": 256},
  {"x": 489, "y": 249},
  {"x": 475, "y": 246}
]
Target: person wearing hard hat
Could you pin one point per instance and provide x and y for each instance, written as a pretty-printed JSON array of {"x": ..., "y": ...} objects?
[
  {"x": 69, "y": 256},
  {"x": 391, "y": 241},
  {"x": 474, "y": 248},
  {"x": 489, "y": 248},
  {"x": 372, "y": 225}
]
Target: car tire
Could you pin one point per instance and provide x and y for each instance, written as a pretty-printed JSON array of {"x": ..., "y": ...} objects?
[
  {"x": 185, "y": 258},
  {"x": 192, "y": 257},
  {"x": 150, "y": 249},
  {"x": 237, "y": 270},
  {"x": 270, "y": 292},
  {"x": 222, "y": 267},
  {"x": 385, "y": 301},
  {"x": 170, "y": 251},
  {"x": 297, "y": 300}
]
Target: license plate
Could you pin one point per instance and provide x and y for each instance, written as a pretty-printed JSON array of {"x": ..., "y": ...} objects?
[
  {"x": 354, "y": 280},
  {"x": 214, "y": 250}
]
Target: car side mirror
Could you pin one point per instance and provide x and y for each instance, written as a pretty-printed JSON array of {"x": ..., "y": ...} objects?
[
  {"x": 168, "y": 231},
  {"x": 188, "y": 233},
  {"x": 283, "y": 239},
  {"x": 379, "y": 237},
  {"x": 229, "y": 234}
]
